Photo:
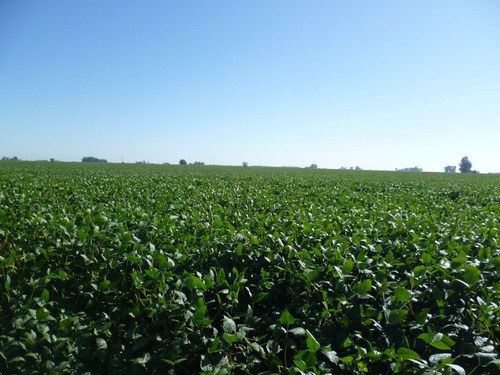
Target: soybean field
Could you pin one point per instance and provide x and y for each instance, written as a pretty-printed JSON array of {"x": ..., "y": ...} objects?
[{"x": 163, "y": 269}]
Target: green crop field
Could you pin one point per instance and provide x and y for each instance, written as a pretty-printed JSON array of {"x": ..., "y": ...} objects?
[{"x": 152, "y": 269}]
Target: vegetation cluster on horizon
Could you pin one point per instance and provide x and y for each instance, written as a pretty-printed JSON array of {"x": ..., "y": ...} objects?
[{"x": 465, "y": 165}]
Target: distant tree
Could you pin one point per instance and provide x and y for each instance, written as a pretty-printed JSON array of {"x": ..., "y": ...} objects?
[
  {"x": 5, "y": 158},
  {"x": 182, "y": 162},
  {"x": 410, "y": 169},
  {"x": 52, "y": 160},
  {"x": 15, "y": 158},
  {"x": 313, "y": 166},
  {"x": 198, "y": 163},
  {"x": 91, "y": 159},
  {"x": 245, "y": 164},
  {"x": 465, "y": 165},
  {"x": 450, "y": 169},
  {"x": 358, "y": 168}
]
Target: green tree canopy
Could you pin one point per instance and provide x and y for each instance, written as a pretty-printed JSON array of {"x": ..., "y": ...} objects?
[{"x": 465, "y": 165}]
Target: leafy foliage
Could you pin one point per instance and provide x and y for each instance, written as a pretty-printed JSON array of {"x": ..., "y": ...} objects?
[
  {"x": 149, "y": 269},
  {"x": 465, "y": 165}
]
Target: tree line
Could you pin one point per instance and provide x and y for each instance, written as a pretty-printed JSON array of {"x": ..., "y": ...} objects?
[
  {"x": 465, "y": 166},
  {"x": 91, "y": 159}
]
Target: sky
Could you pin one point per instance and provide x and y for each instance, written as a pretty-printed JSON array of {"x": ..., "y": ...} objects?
[{"x": 375, "y": 84}]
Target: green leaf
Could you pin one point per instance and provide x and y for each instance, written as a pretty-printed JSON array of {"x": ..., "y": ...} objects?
[
  {"x": 347, "y": 359},
  {"x": 496, "y": 263},
  {"x": 176, "y": 362},
  {"x": 311, "y": 342},
  {"x": 217, "y": 223},
  {"x": 45, "y": 295},
  {"x": 389, "y": 258},
  {"x": 447, "y": 340},
  {"x": 419, "y": 271},
  {"x": 272, "y": 346},
  {"x": 425, "y": 337},
  {"x": 405, "y": 353},
  {"x": 249, "y": 314},
  {"x": 364, "y": 287},
  {"x": 7, "y": 282},
  {"x": 286, "y": 318},
  {"x": 331, "y": 355},
  {"x": 104, "y": 285},
  {"x": 153, "y": 273},
  {"x": 163, "y": 262},
  {"x": 391, "y": 353},
  {"x": 133, "y": 258},
  {"x": 427, "y": 258},
  {"x": 199, "y": 314},
  {"x": 440, "y": 345},
  {"x": 66, "y": 323},
  {"x": 101, "y": 343},
  {"x": 347, "y": 267},
  {"x": 471, "y": 275},
  {"x": 143, "y": 359},
  {"x": 195, "y": 282},
  {"x": 436, "y": 359},
  {"x": 42, "y": 314},
  {"x": 215, "y": 347},
  {"x": 261, "y": 296},
  {"x": 458, "y": 369},
  {"x": 231, "y": 338},
  {"x": 397, "y": 316},
  {"x": 136, "y": 279},
  {"x": 228, "y": 325},
  {"x": 82, "y": 234},
  {"x": 312, "y": 275},
  {"x": 298, "y": 331},
  {"x": 402, "y": 295},
  {"x": 310, "y": 359},
  {"x": 301, "y": 365},
  {"x": 221, "y": 276},
  {"x": 422, "y": 316},
  {"x": 17, "y": 359},
  {"x": 461, "y": 259},
  {"x": 208, "y": 282}
]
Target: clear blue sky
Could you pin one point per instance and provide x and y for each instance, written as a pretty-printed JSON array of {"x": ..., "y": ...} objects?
[{"x": 375, "y": 84}]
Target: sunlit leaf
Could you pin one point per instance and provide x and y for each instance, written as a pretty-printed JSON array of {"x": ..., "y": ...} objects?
[
  {"x": 405, "y": 353},
  {"x": 312, "y": 343},
  {"x": 228, "y": 325},
  {"x": 286, "y": 318},
  {"x": 402, "y": 294}
]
